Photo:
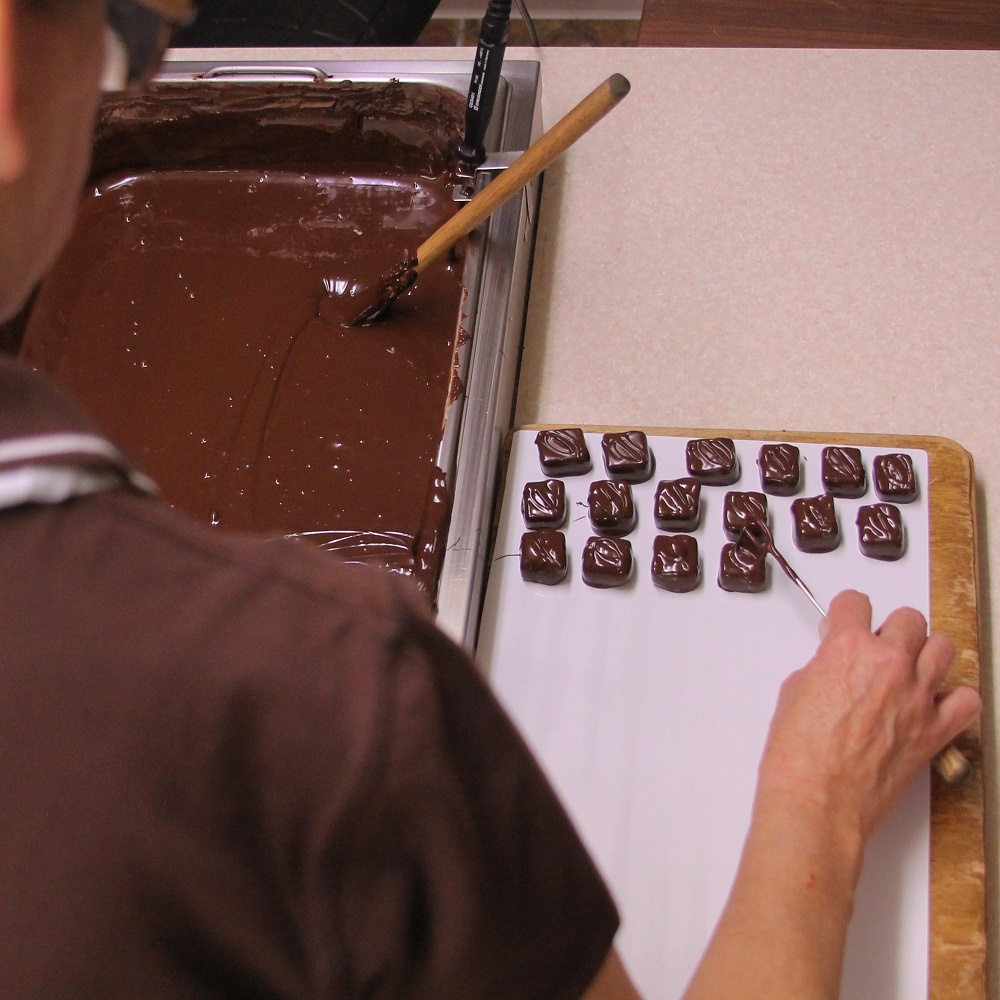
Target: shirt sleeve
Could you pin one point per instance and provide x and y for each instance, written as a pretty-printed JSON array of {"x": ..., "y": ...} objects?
[{"x": 462, "y": 875}]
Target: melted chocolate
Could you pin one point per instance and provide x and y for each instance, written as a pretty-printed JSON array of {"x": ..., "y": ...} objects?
[
  {"x": 627, "y": 456},
  {"x": 612, "y": 509},
  {"x": 814, "y": 523},
  {"x": 779, "y": 469},
  {"x": 740, "y": 509},
  {"x": 563, "y": 452},
  {"x": 607, "y": 562},
  {"x": 742, "y": 569},
  {"x": 894, "y": 478},
  {"x": 543, "y": 505},
  {"x": 880, "y": 531},
  {"x": 201, "y": 313},
  {"x": 713, "y": 461},
  {"x": 675, "y": 564},
  {"x": 543, "y": 556},
  {"x": 678, "y": 505},
  {"x": 843, "y": 472}
]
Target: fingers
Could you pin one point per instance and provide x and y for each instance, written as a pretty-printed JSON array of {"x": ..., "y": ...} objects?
[
  {"x": 956, "y": 710},
  {"x": 906, "y": 628},
  {"x": 849, "y": 609}
]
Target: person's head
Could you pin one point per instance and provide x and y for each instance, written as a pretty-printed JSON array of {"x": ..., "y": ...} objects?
[{"x": 53, "y": 56}]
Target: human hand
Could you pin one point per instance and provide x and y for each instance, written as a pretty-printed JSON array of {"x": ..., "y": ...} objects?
[{"x": 855, "y": 725}]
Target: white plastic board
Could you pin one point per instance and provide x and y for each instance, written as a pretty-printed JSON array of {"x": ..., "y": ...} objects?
[{"x": 649, "y": 709}]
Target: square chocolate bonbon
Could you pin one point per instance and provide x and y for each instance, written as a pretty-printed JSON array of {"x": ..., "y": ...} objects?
[
  {"x": 881, "y": 534},
  {"x": 843, "y": 472},
  {"x": 742, "y": 570},
  {"x": 894, "y": 478},
  {"x": 675, "y": 564},
  {"x": 627, "y": 456},
  {"x": 563, "y": 452},
  {"x": 677, "y": 506},
  {"x": 780, "y": 471},
  {"x": 814, "y": 523},
  {"x": 607, "y": 562},
  {"x": 612, "y": 509},
  {"x": 740, "y": 509},
  {"x": 713, "y": 461},
  {"x": 543, "y": 505},
  {"x": 543, "y": 556}
]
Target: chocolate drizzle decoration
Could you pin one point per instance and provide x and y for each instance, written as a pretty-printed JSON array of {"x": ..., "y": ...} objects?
[
  {"x": 713, "y": 461},
  {"x": 843, "y": 472},
  {"x": 627, "y": 456},
  {"x": 814, "y": 523},
  {"x": 880, "y": 531},
  {"x": 779, "y": 469},
  {"x": 894, "y": 478}
]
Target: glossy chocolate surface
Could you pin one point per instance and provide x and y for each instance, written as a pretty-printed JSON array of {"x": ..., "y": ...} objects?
[
  {"x": 677, "y": 506},
  {"x": 612, "y": 509},
  {"x": 543, "y": 505},
  {"x": 843, "y": 472},
  {"x": 713, "y": 461},
  {"x": 814, "y": 523},
  {"x": 881, "y": 534},
  {"x": 199, "y": 310},
  {"x": 543, "y": 556},
  {"x": 779, "y": 469},
  {"x": 627, "y": 456},
  {"x": 742, "y": 570},
  {"x": 742, "y": 508},
  {"x": 675, "y": 565},
  {"x": 894, "y": 478},
  {"x": 607, "y": 562},
  {"x": 563, "y": 452}
]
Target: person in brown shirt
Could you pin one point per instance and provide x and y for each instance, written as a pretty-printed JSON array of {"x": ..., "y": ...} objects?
[{"x": 231, "y": 767}]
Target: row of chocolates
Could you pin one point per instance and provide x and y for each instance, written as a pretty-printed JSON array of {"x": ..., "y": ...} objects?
[
  {"x": 677, "y": 507},
  {"x": 714, "y": 462},
  {"x": 608, "y": 561}
]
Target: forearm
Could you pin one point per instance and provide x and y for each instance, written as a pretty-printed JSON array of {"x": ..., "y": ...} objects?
[{"x": 783, "y": 929}]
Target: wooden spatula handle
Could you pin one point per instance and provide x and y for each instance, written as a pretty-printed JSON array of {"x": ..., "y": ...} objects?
[{"x": 524, "y": 169}]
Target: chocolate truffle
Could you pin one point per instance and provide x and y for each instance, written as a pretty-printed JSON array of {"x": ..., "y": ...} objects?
[
  {"x": 779, "y": 469},
  {"x": 543, "y": 505},
  {"x": 844, "y": 472},
  {"x": 563, "y": 452},
  {"x": 814, "y": 523},
  {"x": 543, "y": 556},
  {"x": 894, "y": 478},
  {"x": 607, "y": 562},
  {"x": 627, "y": 456},
  {"x": 740, "y": 509},
  {"x": 675, "y": 563},
  {"x": 880, "y": 531},
  {"x": 742, "y": 570},
  {"x": 678, "y": 505},
  {"x": 713, "y": 461},
  {"x": 612, "y": 510}
]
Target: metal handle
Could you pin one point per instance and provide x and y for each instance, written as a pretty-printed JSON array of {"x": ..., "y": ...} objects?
[{"x": 264, "y": 74}]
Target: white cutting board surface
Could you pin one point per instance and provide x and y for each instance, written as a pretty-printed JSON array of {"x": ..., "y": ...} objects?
[{"x": 649, "y": 709}]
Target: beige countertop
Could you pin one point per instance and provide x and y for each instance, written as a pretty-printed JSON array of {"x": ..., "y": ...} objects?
[{"x": 776, "y": 239}]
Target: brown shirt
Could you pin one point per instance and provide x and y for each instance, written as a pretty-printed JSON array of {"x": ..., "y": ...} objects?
[{"x": 236, "y": 768}]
